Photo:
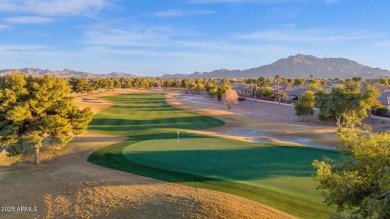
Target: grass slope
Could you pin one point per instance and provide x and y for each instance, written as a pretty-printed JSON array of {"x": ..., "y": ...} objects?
[{"x": 277, "y": 176}]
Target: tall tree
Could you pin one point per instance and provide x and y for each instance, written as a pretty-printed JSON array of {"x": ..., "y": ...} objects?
[
  {"x": 127, "y": 83},
  {"x": 111, "y": 84},
  {"x": 230, "y": 97},
  {"x": 167, "y": 83},
  {"x": 221, "y": 91},
  {"x": 278, "y": 79},
  {"x": 117, "y": 84},
  {"x": 38, "y": 112},
  {"x": 360, "y": 184},
  {"x": 199, "y": 87},
  {"x": 211, "y": 90},
  {"x": 282, "y": 96},
  {"x": 80, "y": 85},
  {"x": 185, "y": 83},
  {"x": 270, "y": 80},
  {"x": 225, "y": 81},
  {"x": 262, "y": 83},
  {"x": 209, "y": 86},
  {"x": 192, "y": 88},
  {"x": 305, "y": 105},
  {"x": 383, "y": 81},
  {"x": 265, "y": 92},
  {"x": 104, "y": 83},
  {"x": 357, "y": 79},
  {"x": 346, "y": 104},
  {"x": 199, "y": 80},
  {"x": 299, "y": 81}
]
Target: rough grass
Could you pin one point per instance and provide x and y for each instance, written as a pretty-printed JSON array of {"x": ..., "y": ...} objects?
[
  {"x": 280, "y": 177},
  {"x": 67, "y": 186}
]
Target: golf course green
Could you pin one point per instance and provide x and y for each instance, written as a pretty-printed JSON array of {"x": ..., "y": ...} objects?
[{"x": 277, "y": 176}]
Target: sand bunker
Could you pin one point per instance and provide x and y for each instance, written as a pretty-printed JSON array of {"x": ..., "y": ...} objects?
[
  {"x": 257, "y": 122},
  {"x": 259, "y": 136}
]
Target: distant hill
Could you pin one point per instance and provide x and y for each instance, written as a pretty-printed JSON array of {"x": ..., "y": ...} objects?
[
  {"x": 290, "y": 67},
  {"x": 297, "y": 66},
  {"x": 66, "y": 73}
]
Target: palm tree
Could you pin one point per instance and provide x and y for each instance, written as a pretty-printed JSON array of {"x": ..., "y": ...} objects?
[
  {"x": 278, "y": 78},
  {"x": 262, "y": 82},
  {"x": 282, "y": 96}
]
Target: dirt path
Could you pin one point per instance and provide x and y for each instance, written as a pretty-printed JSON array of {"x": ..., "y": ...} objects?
[{"x": 68, "y": 186}]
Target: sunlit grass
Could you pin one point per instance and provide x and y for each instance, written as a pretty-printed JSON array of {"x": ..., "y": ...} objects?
[{"x": 280, "y": 177}]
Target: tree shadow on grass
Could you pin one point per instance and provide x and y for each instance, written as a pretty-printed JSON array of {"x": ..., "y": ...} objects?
[
  {"x": 233, "y": 165},
  {"x": 247, "y": 163},
  {"x": 226, "y": 167},
  {"x": 79, "y": 139},
  {"x": 191, "y": 122},
  {"x": 142, "y": 108}
]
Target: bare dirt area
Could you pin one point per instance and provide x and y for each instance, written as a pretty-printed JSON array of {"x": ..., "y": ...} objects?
[
  {"x": 67, "y": 186},
  {"x": 272, "y": 122}
]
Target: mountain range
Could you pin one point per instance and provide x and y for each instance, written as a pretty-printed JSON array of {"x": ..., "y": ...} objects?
[
  {"x": 297, "y": 66},
  {"x": 66, "y": 73},
  {"x": 291, "y": 67}
]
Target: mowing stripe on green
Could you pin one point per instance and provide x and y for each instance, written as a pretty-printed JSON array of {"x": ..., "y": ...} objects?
[{"x": 274, "y": 175}]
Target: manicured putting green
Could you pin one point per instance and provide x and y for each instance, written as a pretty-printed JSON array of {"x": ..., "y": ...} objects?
[{"x": 277, "y": 176}]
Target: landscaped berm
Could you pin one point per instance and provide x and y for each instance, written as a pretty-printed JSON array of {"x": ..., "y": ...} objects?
[{"x": 158, "y": 146}]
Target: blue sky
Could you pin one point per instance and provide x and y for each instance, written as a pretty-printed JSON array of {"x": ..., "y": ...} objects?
[{"x": 151, "y": 37}]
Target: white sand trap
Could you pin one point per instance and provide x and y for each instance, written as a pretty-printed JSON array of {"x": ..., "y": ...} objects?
[{"x": 260, "y": 136}]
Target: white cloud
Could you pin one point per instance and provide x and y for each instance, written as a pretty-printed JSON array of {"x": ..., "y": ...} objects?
[
  {"x": 118, "y": 37},
  {"x": 306, "y": 35},
  {"x": 2, "y": 26},
  {"x": 162, "y": 45},
  {"x": 186, "y": 59},
  {"x": 53, "y": 7},
  {"x": 29, "y": 20},
  {"x": 166, "y": 39},
  {"x": 182, "y": 13},
  {"x": 22, "y": 48},
  {"x": 135, "y": 35}
]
